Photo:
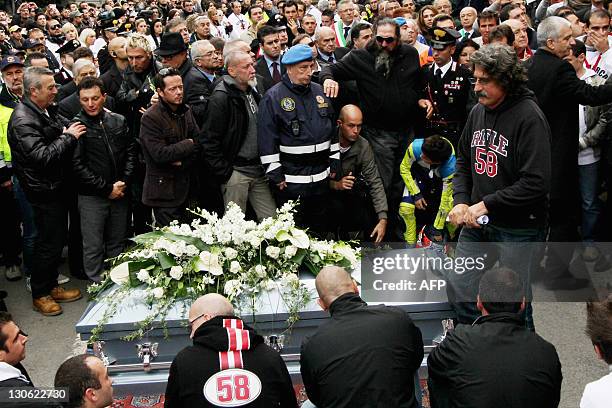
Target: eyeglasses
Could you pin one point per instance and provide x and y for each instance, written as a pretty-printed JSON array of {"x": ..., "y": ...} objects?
[
  {"x": 311, "y": 44},
  {"x": 382, "y": 40},
  {"x": 55, "y": 27},
  {"x": 191, "y": 322}
]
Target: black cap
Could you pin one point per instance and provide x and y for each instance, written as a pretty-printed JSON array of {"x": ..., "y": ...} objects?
[
  {"x": 29, "y": 43},
  {"x": 69, "y": 47},
  {"x": 442, "y": 37},
  {"x": 171, "y": 44},
  {"x": 278, "y": 22}
]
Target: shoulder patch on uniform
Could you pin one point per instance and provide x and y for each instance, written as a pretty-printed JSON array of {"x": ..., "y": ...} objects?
[
  {"x": 288, "y": 104},
  {"x": 320, "y": 99}
]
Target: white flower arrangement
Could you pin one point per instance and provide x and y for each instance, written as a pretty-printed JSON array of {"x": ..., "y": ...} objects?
[{"x": 228, "y": 255}]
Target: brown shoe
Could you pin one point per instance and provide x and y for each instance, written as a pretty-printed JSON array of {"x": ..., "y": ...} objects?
[
  {"x": 47, "y": 306},
  {"x": 62, "y": 295}
]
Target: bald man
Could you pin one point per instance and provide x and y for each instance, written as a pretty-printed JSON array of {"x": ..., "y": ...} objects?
[
  {"x": 358, "y": 202},
  {"x": 329, "y": 53},
  {"x": 222, "y": 342},
  {"x": 364, "y": 356},
  {"x": 113, "y": 77}
]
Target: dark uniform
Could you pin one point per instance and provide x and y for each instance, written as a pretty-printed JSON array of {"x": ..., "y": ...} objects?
[
  {"x": 295, "y": 131},
  {"x": 452, "y": 99},
  {"x": 449, "y": 92},
  {"x": 64, "y": 76}
]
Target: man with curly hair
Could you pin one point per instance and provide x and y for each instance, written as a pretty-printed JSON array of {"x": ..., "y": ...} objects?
[{"x": 503, "y": 173}]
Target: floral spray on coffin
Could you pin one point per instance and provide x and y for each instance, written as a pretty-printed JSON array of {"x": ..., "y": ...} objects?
[{"x": 239, "y": 258}]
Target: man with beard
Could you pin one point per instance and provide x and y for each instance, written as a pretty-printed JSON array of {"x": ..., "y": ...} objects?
[
  {"x": 11, "y": 68},
  {"x": 230, "y": 138},
  {"x": 55, "y": 39},
  {"x": 391, "y": 86}
]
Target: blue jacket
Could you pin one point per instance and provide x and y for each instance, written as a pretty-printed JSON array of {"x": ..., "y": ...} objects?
[{"x": 297, "y": 138}]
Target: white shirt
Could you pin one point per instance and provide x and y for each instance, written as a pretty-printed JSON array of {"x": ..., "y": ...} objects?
[
  {"x": 8, "y": 372},
  {"x": 589, "y": 155},
  {"x": 598, "y": 394},
  {"x": 444, "y": 69},
  {"x": 598, "y": 62},
  {"x": 240, "y": 24}
]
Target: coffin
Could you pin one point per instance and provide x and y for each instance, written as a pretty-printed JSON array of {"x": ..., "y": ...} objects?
[{"x": 140, "y": 367}]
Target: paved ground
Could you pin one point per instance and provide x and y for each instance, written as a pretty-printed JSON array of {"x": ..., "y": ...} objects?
[{"x": 52, "y": 339}]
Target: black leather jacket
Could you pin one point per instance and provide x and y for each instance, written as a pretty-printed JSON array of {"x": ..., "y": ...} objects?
[
  {"x": 106, "y": 153},
  {"x": 41, "y": 152}
]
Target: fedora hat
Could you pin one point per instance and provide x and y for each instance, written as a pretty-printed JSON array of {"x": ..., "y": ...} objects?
[{"x": 171, "y": 44}]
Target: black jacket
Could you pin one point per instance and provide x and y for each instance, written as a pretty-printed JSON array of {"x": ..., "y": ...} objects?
[
  {"x": 135, "y": 93},
  {"x": 496, "y": 362},
  {"x": 363, "y": 356},
  {"x": 70, "y": 106},
  {"x": 65, "y": 91},
  {"x": 112, "y": 80},
  {"x": 559, "y": 91},
  {"x": 197, "y": 89},
  {"x": 106, "y": 153},
  {"x": 169, "y": 156},
  {"x": 261, "y": 67},
  {"x": 41, "y": 152},
  {"x": 224, "y": 129},
  {"x": 503, "y": 159},
  {"x": 194, "y": 365},
  {"x": 387, "y": 103}
]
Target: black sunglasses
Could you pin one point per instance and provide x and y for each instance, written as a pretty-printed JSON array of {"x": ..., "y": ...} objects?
[
  {"x": 191, "y": 322},
  {"x": 382, "y": 40},
  {"x": 55, "y": 27}
]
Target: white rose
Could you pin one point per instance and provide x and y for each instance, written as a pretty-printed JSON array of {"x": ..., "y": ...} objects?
[
  {"x": 230, "y": 253},
  {"x": 260, "y": 270},
  {"x": 273, "y": 252},
  {"x": 235, "y": 267},
  {"x": 143, "y": 275},
  {"x": 232, "y": 288},
  {"x": 255, "y": 242},
  {"x": 158, "y": 293},
  {"x": 176, "y": 272},
  {"x": 290, "y": 251}
]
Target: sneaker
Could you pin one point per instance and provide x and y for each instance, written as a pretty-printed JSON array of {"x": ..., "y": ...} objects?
[
  {"x": 590, "y": 254},
  {"x": 28, "y": 284},
  {"x": 13, "y": 273},
  {"x": 47, "y": 306},
  {"x": 62, "y": 279},
  {"x": 62, "y": 295}
]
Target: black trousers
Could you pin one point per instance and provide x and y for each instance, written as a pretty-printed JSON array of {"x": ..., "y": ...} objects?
[
  {"x": 165, "y": 215},
  {"x": 51, "y": 219},
  {"x": 312, "y": 212},
  {"x": 10, "y": 237}
]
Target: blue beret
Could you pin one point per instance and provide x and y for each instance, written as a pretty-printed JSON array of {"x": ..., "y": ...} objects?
[
  {"x": 400, "y": 21},
  {"x": 297, "y": 53}
]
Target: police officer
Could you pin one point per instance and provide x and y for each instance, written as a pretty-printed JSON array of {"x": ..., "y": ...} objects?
[
  {"x": 64, "y": 76},
  {"x": 295, "y": 130},
  {"x": 448, "y": 87}
]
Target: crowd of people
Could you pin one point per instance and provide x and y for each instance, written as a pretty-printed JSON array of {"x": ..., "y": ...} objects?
[{"x": 419, "y": 123}]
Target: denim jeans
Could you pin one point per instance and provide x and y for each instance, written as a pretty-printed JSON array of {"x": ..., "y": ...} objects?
[
  {"x": 29, "y": 228},
  {"x": 518, "y": 249},
  {"x": 590, "y": 203}
]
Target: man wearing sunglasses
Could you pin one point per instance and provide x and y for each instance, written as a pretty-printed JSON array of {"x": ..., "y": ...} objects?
[
  {"x": 391, "y": 86},
  {"x": 223, "y": 342}
]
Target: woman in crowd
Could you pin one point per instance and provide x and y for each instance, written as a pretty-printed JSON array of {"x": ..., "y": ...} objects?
[
  {"x": 156, "y": 29},
  {"x": 426, "y": 17},
  {"x": 70, "y": 32}
]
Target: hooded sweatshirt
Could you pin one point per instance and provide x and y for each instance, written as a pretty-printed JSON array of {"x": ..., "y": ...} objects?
[
  {"x": 222, "y": 343},
  {"x": 504, "y": 160}
]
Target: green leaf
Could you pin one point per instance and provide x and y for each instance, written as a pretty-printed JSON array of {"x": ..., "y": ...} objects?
[
  {"x": 299, "y": 256},
  {"x": 135, "y": 266},
  {"x": 165, "y": 260},
  {"x": 196, "y": 242},
  {"x": 148, "y": 237}
]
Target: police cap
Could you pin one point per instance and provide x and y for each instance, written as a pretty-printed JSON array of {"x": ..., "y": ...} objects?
[{"x": 442, "y": 37}]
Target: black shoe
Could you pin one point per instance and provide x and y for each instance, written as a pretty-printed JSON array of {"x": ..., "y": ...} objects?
[{"x": 566, "y": 283}]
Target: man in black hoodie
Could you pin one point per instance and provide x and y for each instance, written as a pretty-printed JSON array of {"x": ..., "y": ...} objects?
[
  {"x": 503, "y": 173},
  {"x": 228, "y": 363}
]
